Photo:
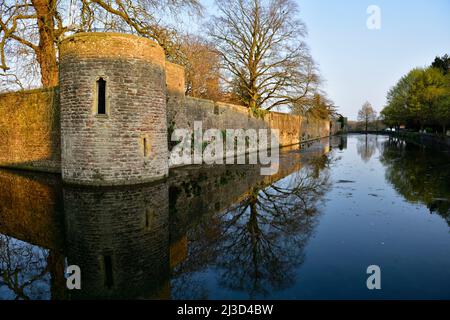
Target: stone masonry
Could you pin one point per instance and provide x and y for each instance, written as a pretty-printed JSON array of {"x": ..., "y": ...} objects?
[
  {"x": 62, "y": 129},
  {"x": 128, "y": 144}
]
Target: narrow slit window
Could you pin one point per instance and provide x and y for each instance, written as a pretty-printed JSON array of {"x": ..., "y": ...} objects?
[
  {"x": 144, "y": 142},
  {"x": 101, "y": 98},
  {"x": 109, "y": 281}
]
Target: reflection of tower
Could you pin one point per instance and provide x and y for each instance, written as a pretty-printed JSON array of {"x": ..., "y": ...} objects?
[
  {"x": 113, "y": 109},
  {"x": 120, "y": 240},
  {"x": 339, "y": 141},
  {"x": 343, "y": 142}
]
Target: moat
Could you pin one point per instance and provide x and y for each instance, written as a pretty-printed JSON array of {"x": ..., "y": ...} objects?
[{"x": 335, "y": 207}]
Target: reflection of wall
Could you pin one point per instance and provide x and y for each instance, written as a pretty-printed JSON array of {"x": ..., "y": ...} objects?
[
  {"x": 194, "y": 191},
  {"x": 258, "y": 238},
  {"x": 340, "y": 141},
  {"x": 127, "y": 240},
  {"x": 31, "y": 211},
  {"x": 30, "y": 208},
  {"x": 130, "y": 226},
  {"x": 120, "y": 240}
]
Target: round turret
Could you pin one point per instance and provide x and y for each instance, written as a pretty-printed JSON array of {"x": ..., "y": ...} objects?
[{"x": 113, "y": 109}]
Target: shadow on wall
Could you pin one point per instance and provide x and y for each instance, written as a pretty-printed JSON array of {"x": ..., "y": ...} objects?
[{"x": 30, "y": 132}]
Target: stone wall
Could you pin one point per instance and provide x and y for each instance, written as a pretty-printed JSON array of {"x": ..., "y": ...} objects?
[
  {"x": 183, "y": 111},
  {"x": 293, "y": 129},
  {"x": 30, "y": 131},
  {"x": 176, "y": 107},
  {"x": 313, "y": 128},
  {"x": 59, "y": 130}
]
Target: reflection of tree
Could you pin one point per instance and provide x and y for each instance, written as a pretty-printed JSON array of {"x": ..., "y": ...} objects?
[
  {"x": 366, "y": 146},
  {"x": 23, "y": 269},
  {"x": 257, "y": 243},
  {"x": 419, "y": 175}
]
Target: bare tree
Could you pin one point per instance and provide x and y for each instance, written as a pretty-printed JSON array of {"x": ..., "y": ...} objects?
[
  {"x": 265, "y": 61},
  {"x": 202, "y": 65},
  {"x": 34, "y": 27},
  {"x": 367, "y": 114},
  {"x": 316, "y": 105}
]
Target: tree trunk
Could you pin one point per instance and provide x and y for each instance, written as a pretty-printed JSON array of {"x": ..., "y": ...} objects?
[{"x": 46, "y": 51}]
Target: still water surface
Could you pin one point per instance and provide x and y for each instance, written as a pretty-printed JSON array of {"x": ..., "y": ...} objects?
[{"x": 225, "y": 232}]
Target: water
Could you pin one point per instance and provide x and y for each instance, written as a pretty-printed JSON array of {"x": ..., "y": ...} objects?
[{"x": 225, "y": 232}]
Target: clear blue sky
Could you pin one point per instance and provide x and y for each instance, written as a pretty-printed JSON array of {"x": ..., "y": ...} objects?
[{"x": 359, "y": 64}]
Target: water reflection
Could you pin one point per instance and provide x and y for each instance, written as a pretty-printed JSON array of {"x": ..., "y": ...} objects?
[
  {"x": 225, "y": 225},
  {"x": 257, "y": 243},
  {"x": 31, "y": 210},
  {"x": 367, "y": 146},
  {"x": 24, "y": 270},
  {"x": 127, "y": 241},
  {"x": 120, "y": 240},
  {"x": 420, "y": 175},
  {"x": 341, "y": 142}
]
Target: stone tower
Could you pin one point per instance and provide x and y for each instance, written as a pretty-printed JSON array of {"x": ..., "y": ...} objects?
[{"x": 113, "y": 110}]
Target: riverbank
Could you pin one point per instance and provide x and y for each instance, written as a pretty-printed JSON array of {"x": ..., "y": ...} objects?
[{"x": 424, "y": 139}]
